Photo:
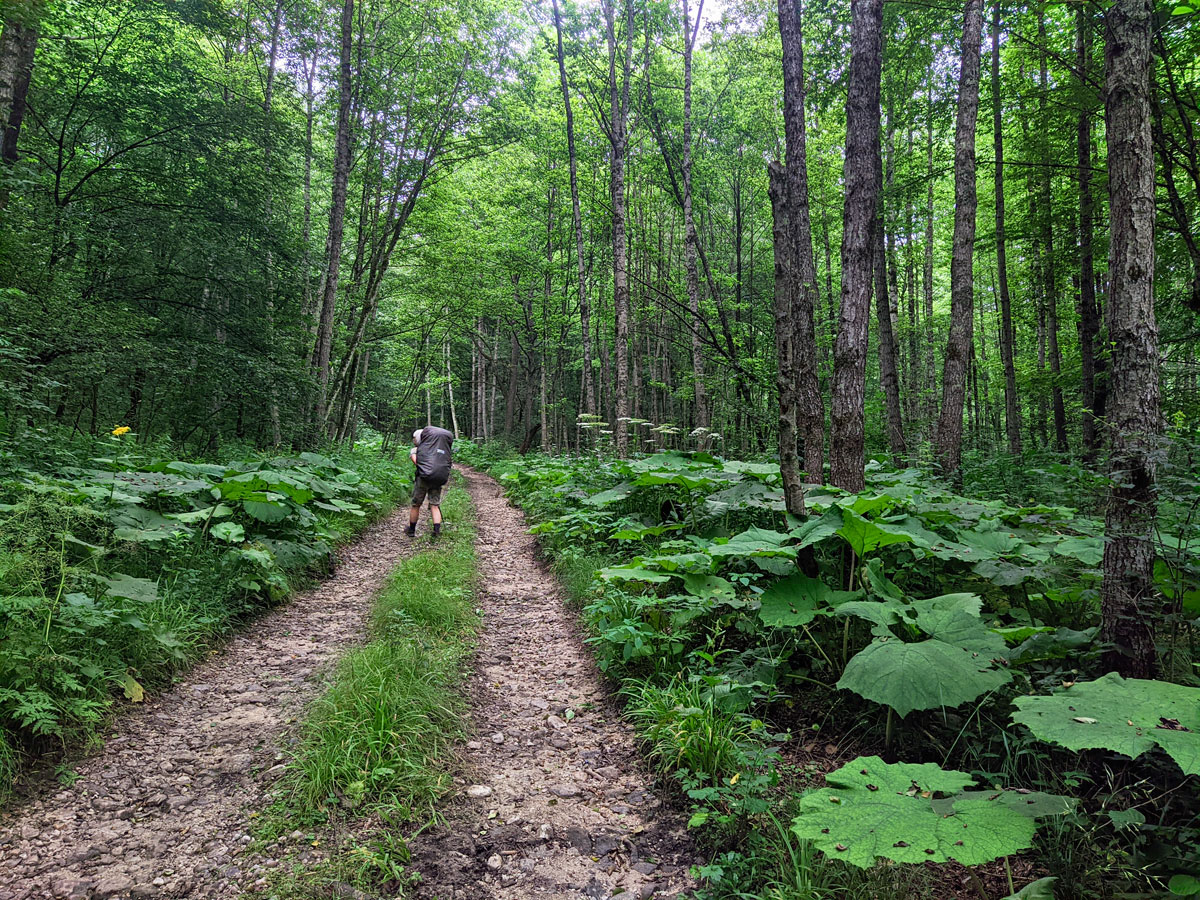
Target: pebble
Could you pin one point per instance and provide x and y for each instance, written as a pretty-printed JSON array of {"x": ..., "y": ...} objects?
[
  {"x": 498, "y": 737},
  {"x": 565, "y": 790},
  {"x": 495, "y": 862},
  {"x": 479, "y": 791}
]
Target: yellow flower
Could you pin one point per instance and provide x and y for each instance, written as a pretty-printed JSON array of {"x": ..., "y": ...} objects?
[
  {"x": 121, "y": 429},
  {"x": 736, "y": 778}
]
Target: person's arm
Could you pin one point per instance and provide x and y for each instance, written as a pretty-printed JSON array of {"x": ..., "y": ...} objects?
[{"x": 412, "y": 454}]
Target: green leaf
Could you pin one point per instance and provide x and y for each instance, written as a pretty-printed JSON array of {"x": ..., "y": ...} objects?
[
  {"x": 1126, "y": 716},
  {"x": 1042, "y": 889},
  {"x": 865, "y": 537},
  {"x": 872, "y": 810},
  {"x": 708, "y": 586},
  {"x": 816, "y": 529},
  {"x": 143, "y": 590},
  {"x": 954, "y": 619},
  {"x": 231, "y": 532},
  {"x": 1088, "y": 550},
  {"x": 633, "y": 572},
  {"x": 1123, "y": 819},
  {"x": 1184, "y": 885},
  {"x": 612, "y": 495},
  {"x": 795, "y": 601},
  {"x": 754, "y": 542},
  {"x": 880, "y": 613},
  {"x": 265, "y": 510},
  {"x": 926, "y": 675},
  {"x": 134, "y": 692}
]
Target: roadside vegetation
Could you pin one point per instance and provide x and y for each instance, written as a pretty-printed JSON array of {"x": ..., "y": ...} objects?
[
  {"x": 376, "y": 751},
  {"x": 121, "y": 564},
  {"x": 905, "y": 678}
]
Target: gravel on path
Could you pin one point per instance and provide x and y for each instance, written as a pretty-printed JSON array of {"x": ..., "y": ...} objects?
[
  {"x": 162, "y": 809},
  {"x": 555, "y": 801}
]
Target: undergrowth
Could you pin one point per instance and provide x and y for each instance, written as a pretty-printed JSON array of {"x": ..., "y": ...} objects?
[
  {"x": 121, "y": 565},
  {"x": 757, "y": 654},
  {"x": 376, "y": 748}
]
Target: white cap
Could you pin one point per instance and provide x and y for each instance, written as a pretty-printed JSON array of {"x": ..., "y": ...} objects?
[{"x": 417, "y": 436}]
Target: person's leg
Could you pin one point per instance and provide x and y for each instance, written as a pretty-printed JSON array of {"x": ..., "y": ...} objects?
[
  {"x": 435, "y": 509},
  {"x": 414, "y": 512}
]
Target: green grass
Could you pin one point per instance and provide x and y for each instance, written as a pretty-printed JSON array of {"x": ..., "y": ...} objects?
[{"x": 379, "y": 742}]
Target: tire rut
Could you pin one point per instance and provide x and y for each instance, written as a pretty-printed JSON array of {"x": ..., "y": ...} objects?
[
  {"x": 555, "y": 802},
  {"x": 162, "y": 810}
]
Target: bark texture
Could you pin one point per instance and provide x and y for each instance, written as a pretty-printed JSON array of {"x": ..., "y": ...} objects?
[
  {"x": 337, "y": 213},
  {"x": 1012, "y": 411},
  {"x": 589, "y": 388},
  {"x": 1089, "y": 312},
  {"x": 862, "y": 171},
  {"x": 962, "y": 284},
  {"x": 1127, "y": 593}
]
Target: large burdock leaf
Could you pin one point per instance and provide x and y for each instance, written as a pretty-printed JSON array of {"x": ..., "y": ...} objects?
[
  {"x": 796, "y": 600},
  {"x": 926, "y": 675},
  {"x": 872, "y": 810},
  {"x": 1127, "y": 716},
  {"x": 865, "y": 537},
  {"x": 754, "y": 541}
]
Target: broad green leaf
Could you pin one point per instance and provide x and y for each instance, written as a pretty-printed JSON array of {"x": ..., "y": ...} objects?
[
  {"x": 954, "y": 619},
  {"x": 707, "y": 586},
  {"x": 1123, "y": 819},
  {"x": 136, "y": 523},
  {"x": 872, "y": 810},
  {"x": 754, "y": 542},
  {"x": 1126, "y": 716},
  {"x": 1184, "y": 885},
  {"x": 866, "y": 537},
  {"x": 1056, "y": 643},
  {"x": 1042, "y": 889},
  {"x": 795, "y": 601},
  {"x": 219, "y": 511},
  {"x": 926, "y": 675},
  {"x": 741, "y": 467},
  {"x": 882, "y": 613},
  {"x": 1088, "y": 550},
  {"x": 265, "y": 510},
  {"x": 143, "y": 590},
  {"x": 817, "y": 528},
  {"x": 229, "y": 531},
  {"x": 612, "y": 495},
  {"x": 633, "y": 572}
]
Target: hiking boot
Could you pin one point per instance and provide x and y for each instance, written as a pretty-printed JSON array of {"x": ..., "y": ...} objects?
[{"x": 411, "y": 530}]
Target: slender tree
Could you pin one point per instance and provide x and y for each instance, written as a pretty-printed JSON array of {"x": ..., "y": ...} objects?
[
  {"x": 862, "y": 176},
  {"x": 962, "y": 299},
  {"x": 1012, "y": 410},
  {"x": 589, "y": 386},
  {"x": 1127, "y": 592}
]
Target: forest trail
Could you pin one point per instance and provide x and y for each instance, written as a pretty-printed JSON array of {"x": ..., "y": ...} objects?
[
  {"x": 163, "y": 809},
  {"x": 555, "y": 802}
]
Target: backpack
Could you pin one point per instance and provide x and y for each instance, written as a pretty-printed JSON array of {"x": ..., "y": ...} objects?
[{"x": 433, "y": 455}]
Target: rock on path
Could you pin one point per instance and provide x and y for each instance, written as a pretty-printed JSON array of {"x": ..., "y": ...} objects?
[
  {"x": 162, "y": 810},
  {"x": 554, "y": 802}
]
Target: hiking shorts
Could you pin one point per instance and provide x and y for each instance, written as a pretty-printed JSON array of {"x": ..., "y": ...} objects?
[{"x": 423, "y": 489}]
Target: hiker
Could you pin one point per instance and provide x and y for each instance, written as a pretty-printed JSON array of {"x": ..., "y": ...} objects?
[{"x": 431, "y": 455}]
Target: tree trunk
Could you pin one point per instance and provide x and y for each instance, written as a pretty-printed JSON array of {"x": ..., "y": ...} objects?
[
  {"x": 786, "y": 289},
  {"x": 1012, "y": 412},
  {"x": 889, "y": 378},
  {"x": 1089, "y": 314},
  {"x": 810, "y": 408},
  {"x": 862, "y": 169},
  {"x": 1127, "y": 592},
  {"x": 589, "y": 387},
  {"x": 337, "y": 214},
  {"x": 702, "y": 415},
  {"x": 1048, "y": 267},
  {"x": 962, "y": 318},
  {"x": 929, "y": 368},
  {"x": 618, "y": 96},
  {"x": 18, "y": 47}
]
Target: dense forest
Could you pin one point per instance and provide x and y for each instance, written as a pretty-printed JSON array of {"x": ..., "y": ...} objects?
[{"x": 843, "y": 242}]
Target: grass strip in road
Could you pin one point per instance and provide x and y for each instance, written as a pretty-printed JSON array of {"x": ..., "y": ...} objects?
[{"x": 377, "y": 746}]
